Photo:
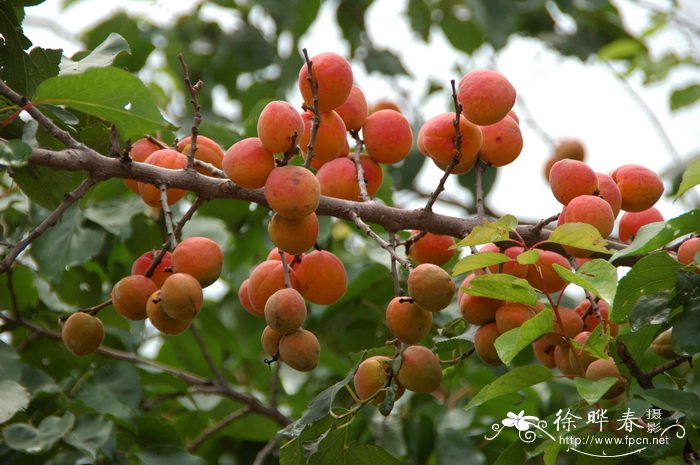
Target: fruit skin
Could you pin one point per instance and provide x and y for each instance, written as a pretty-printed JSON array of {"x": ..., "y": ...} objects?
[
  {"x": 292, "y": 191},
  {"x": 549, "y": 281},
  {"x": 279, "y": 121},
  {"x": 583, "y": 356},
  {"x": 572, "y": 325},
  {"x": 388, "y": 136},
  {"x": 338, "y": 179},
  {"x": 420, "y": 370},
  {"x": 512, "y": 315},
  {"x": 486, "y": 96},
  {"x": 181, "y": 296},
  {"x": 265, "y": 280},
  {"x": 484, "y": 339},
  {"x": 373, "y": 374},
  {"x": 502, "y": 142},
  {"x": 293, "y": 236},
  {"x": 330, "y": 136},
  {"x": 333, "y": 74},
  {"x": 141, "y": 265},
  {"x": 544, "y": 352},
  {"x": 373, "y": 174},
  {"x": 300, "y": 350},
  {"x": 285, "y": 311},
  {"x": 603, "y": 368},
  {"x": 640, "y": 187},
  {"x": 572, "y": 149},
  {"x": 82, "y": 333},
  {"x": 687, "y": 251},
  {"x": 431, "y": 287},
  {"x": 609, "y": 192},
  {"x": 562, "y": 360},
  {"x": 208, "y": 151},
  {"x": 274, "y": 254},
  {"x": 163, "y": 158},
  {"x": 270, "y": 340},
  {"x": 140, "y": 150},
  {"x": 511, "y": 267},
  {"x": 200, "y": 257},
  {"x": 244, "y": 298},
  {"x": 432, "y": 248},
  {"x": 630, "y": 222},
  {"x": 130, "y": 295},
  {"x": 663, "y": 345},
  {"x": 407, "y": 321},
  {"x": 436, "y": 140},
  {"x": 570, "y": 178},
  {"x": 476, "y": 310},
  {"x": 321, "y": 277},
  {"x": 354, "y": 110},
  {"x": 248, "y": 164},
  {"x": 160, "y": 320},
  {"x": 592, "y": 210},
  {"x": 591, "y": 321}
]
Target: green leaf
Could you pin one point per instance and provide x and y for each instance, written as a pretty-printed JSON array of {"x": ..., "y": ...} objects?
[
  {"x": 529, "y": 258},
  {"x": 674, "y": 400},
  {"x": 649, "y": 275},
  {"x": 463, "y": 35},
  {"x": 691, "y": 177},
  {"x": 579, "y": 235},
  {"x": 490, "y": 231},
  {"x": 90, "y": 434},
  {"x": 109, "y": 93},
  {"x": 103, "y": 55},
  {"x": 43, "y": 186},
  {"x": 686, "y": 327},
  {"x": 26, "y": 438},
  {"x": 10, "y": 365},
  {"x": 14, "y": 398},
  {"x": 596, "y": 344},
  {"x": 511, "y": 343},
  {"x": 512, "y": 381},
  {"x": 514, "y": 454},
  {"x": 621, "y": 49},
  {"x": 597, "y": 276},
  {"x": 502, "y": 286},
  {"x": 592, "y": 391},
  {"x": 419, "y": 15},
  {"x": 383, "y": 61},
  {"x": 361, "y": 454},
  {"x": 650, "y": 309},
  {"x": 115, "y": 216},
  {"x": 477, "y": 261},
  {"x": 14, "y": 153},
  {"x": 684, "y": 97},
  {"x": 165, "y": 455},
  {"x": 114, "y": 390}
]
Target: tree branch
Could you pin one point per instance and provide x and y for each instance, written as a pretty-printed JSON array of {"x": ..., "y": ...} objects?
[
  {"x": 316, "y": 121},
  {"x": 216, "y": 427},
  {"x": 192, "y": 89},
  {"x": 379, "y": 240}
]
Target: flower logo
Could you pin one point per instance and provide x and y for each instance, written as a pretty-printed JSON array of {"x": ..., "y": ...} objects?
[{"x": 521, "y": 421}]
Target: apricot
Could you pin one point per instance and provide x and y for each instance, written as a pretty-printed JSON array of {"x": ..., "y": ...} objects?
[
  {"x": 373, "y": 174},
  {"x": 270, "y": 340},
  {"x": 663, "y": 345},
  {"x": 544, "y": 352},
  {"x": 140, "y": 150},
  {"x": 431, "y": 287},
  {"x": 163, "y": 158},
  {"x": 373, "y": 374},
  {"x": 591, "y": 320},
  {"x": 630, "y": 222},
  {"x": 609, "y": 192},
  {"x": 542, "y": 275},
  {"x": 603, "y": 368},
  {"x": 640, "y": 187},
  {"x": 407, "y": 321},
  {"x": 82, "y": 333},
  {"x": 511, "y": 267},
  {"x": 333, "y": 76},
  {"x": 248, "y": 164},
  {"x": 484, "y": 340},
  {"x": 181, "y": 296},
  {"x": 293, "y": 236},
  {"x": 321, "y": 277},
  {"x": 514, "y": 115},
  {"x": 285, "y": 311},
  {"x": 292, "y": 191},
  {"x": 338, "y": 179},
  {"x": 300, "y": 350},
  {"x": 476, "y": 310},
  {"x": 581, "y": 358},
  {"x": 432, "y": 248},
  {"x": 573, "y": 149},
  {"x": 130, "y": 294},
  {"x": 388, "y": 136},
  {"x": 436, "y": 140},
  {"x": 330, "y": 136},
  {"x": 486, "y": 96},
  {"x": 548, "y": 167},
  {"x": 570, "y": 325},
  {"x": 278, "y": 125},
  {"x": 562, "y": 360},
  {"x": 161, "y": 271},
  {"x": 208, "y": 151},
  {"x": 592, "y": 210},
  {"x": 512, "y": 315},
  {"x": 274, "y": 254},
  {"x": 502, "y": 142},
  {"x": 160, "y": 320},
  {"x": 354, "y": 110},
  {"x": 266, "y": 279},
  {"x": 200, "y": 257},
  {"x": 384, "y": 104},
  {"x": 571, "y": 178},
  {"x": 244, "y": 298},
  {"x": 420, "y": 370},
  {"x": 688, "y": 250}
]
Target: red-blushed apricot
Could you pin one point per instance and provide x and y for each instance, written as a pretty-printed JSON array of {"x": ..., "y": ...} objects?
[
  {"x": 662, "y": 345},
  {"x": 300, "y": 350},
  {"x": 333, "y": 76},
  {"x": 293, "y": 236},
  {"x": 181, "y": 296},
  {"x": 630, "y": 222},
  {"x": 244, "y": 298},
  {"x": 484, "y": 340},
  {"x": 581, "y": 358},
  {"x": 608, "y": 191},
  {"x": 591, "y": 320},
  {"x": 511, "y": 267},
  {"x": 163, "y": 158},
  {"x": 161, "y": 271},
  {"x": 407, "y": 321},
  {"x": 373, "y": 374},
  {"x": 592, "y": 210},
  {"x": 436, "y": 140},
  {"x": 374, "y": 175},
  {"x": 544, "y": 352},
  {"x": 432, "y": 248},
  {"x": 279, "y": 125},
  {"x": 330, "y": 136},
  {"x": 603, "y": 368},
  {"x": 476, "y": 310},
  {"x": 140, "y": 150},
  {"x": 384, "y": 104},
  {"x": 502, "y": 142},
  {"x": 570, "y": 325},
  {"x": 548, "y": 167},
  {"x": 200, "y": 257},
  {"x": 573, "y": 149},
  {"x": 208, "y": 151},
  {"x": 130, "y": 294},
  {"x": 420, "y": 370},
  {"x": 274, "y": 254},
  {"x": 270, "y": 340},
  {"x": 640, "y": 187},
  {"x": 542, "y": 275},
  {"x": 160, "y": 320},
  {"x": 431, "y": 287},
  {"x": 248, "y": 164},
  {"x": 486, "y": 96},
  {"x": 388, "y": 136},
  {"x": 321, "y": 277},
  {"x": 571, "y": 178},
  {"x": 562, "y": 360},
  {"x": 514, "y": 115},
  {"x": 285, "y": 310},
  {"x": 512, "y": 315},
  {"x": 292, "y": 191},
  {"x": 688, "y": 250},
  {"x": 266, "y": 279},
  {"x": 354, "y": 109},
  {"x": 82, "y": 333},
  {"x": 338, "y": 179}
]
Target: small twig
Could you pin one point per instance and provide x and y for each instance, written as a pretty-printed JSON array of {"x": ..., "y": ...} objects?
[
  {"x": 316, "y": 121},
  {"x": 148, "y": 404},
  {"x": 168, "y": 214},
  {"x": 670, "y": 365},
  {"x": 157, "y": 142},
  {"x": 361, "y": 180},
  {"x": 413, "y": 239},
  {"x": 94, "y": 310},
  {"x": 267, "y": 450},
  {"x": 460, "y": 357},
  {"x": 285, "y": 269},
  {"x": 291, "y": 152},
  {"x": 216, "y": 427},
  {"x": 398, "y": 291},
  {"x": 379, "y": 240},
  {"x": 218, "y": 374},
  {"x": 537, "y": 229},
  {"x": 213, "y": 170},
  {"x": 114, "y": 150},
  {"x": 642, "y": 378},
  {"x": 193, "y": 90},
  {"x": 480, "y": 168},
  {"x": 187, "y": 216}
]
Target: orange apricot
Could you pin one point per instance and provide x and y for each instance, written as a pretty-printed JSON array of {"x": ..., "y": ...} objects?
[
  {"x": 285, "y": 310},
  {"x": 200, "y": 257},
  {"x": 407, "y": 321},
  {"x": 292, "y": 191},
  {"x": 431, "y": 287},
  {"x": 338, "y": 179},
  {"x": 160, "y": 320},
  {"x": 688, "y": 250},
  {"x": 161, "y": 271},
  {"x": 321, "y": 277},
  {"x": 484, "y": 340},
  {"x": 591, "y": 320},
  {"x": 562, "y": 360},
  {"x": 640, "y": 187},
  {"x": 502, "y": 142},
  {"x": 548, "y": 167},
  {"x": 300, "y": 350},
  {"x": 373, "y": 174},
  {"x": 592, "y": 210},
  {"x": 603, "y": 368},
  {"x": 140, "y": 150},
  {"x": 244, "y": 298},
  {"x": 270, "y": 340},
  {"x": 330, "y": 136},
  {"x": 571, "y": 178},
  {"x": 208, "y": 151},
  {"x": 420, "y": 370},
  {"x": 486, "y": 96},
  {"x": 581, "y": 358},
  {"x": 130, "y": 295},
  {"x": 293, "y": 236},
  {"x": 82, "y": 333},
  {"x": 432, "y": 248},
  {"x": 266, "y": 279},
  {"x": 511, "y": 267},
  {"x": 181, "y": 296},
  {"x": 476, "y": 310},
  {"x": 630, "y": 222},
  {"x": 274, "y": 254},
  {"x": 248, "y": 164},
  {"x": 279, "y": 125},
  {"x": 333, "y": 76},
  {"x": 544, "y": 352},
  {"x": 514, "y": 115},
  {"x": 163, "y": 158},
  {"x": 512, "y": 315},
  {"x": 373, "y": 374},
  {"x": 354, "y": 110},
  {"x": 573, "y": 149},
  {"x": 609, "y": 192},
  {"x": 388, "y": 136},
  {"x": 542, "y": 275},
  {"x": 384, "y": 104},
  {"x": 570, "y": 325},
  {"x": 436, "y": 140}
]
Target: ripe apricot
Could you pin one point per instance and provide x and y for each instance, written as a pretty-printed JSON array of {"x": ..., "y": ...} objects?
[
  {"x": 573, "y": 149},
  {"x": 420, "y": 370},
  {"x": 330, "y": 136},
  {"x": 571, "y": 178},
  {"x": 486, "y": 96},
  {"x": 432, "y": 248},
  {"x": 502, "y": 142},
  {"x": 82, "y": 333},
  {"x": 163, "y": 158},
  {"x": 570, "y": 325},
  {"x": 285, "y": 311},
  {"x": 373, "y": 374},
  {"x": 511, "y": 267},
  {"x": 591, "y": 320},
  {"x": 354, "y": 109},
  {"x": 333, "y": 76},
  {"x": 542, "y": 275},
  {"x": 544, "y": 352},
  {"x": 373, "y": 174},
  {"x": 512, "y": 315},
  {"x": 548, "y": 167},
  {"x": 407, "y": 321},
  {"x": 266, "y": 279},
  {"x": 338, "y": 179},
  {"x": 688, "y": 250},
  {"x": 292, "y": 191},
  {"x": 431, "y": 287},
  {"x": 436, "y": 140},
  {"x": 181, "y": 296},
  {"x": 278, "y": 125},
  {"x": 200, "y": 257},
  {"x": 609, "y": 192},
  {"x": 161, "y": 271},
  {"x": 140, "y": 150},
  {"x": 270, "y": 340},
  {"x": 476, "y": 310},
  {"x": 293, "y": 236},
  {"x": 244, "y": 298},
  {"x": 130, "y": 294},
  {"x": 663, "y": 345},
  {"x": 640, "y": 187},
  {"x": 581, "y": 358},
  {"x": 484, "y": 340},
  {"x": 603, "y": 368},
  {"x": 630, "y": 222},
  {"x": 160, "y": 320},
  {"x": 384, "y": 104},
  {"x": 274, "y": 254},
  {"x": 514, "y": 115},
  {"x": 208, "y": 151},
  {"x": 248, "y": 164},
  {"x": 592, "y": 210},
  {"x": 388, "y": 136},
  {"x": 562, "y": 360},
  {"x": 321, "y": 277},
  {"x": 300, "y": 350}
]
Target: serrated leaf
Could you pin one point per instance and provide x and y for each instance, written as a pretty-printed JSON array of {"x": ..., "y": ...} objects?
[
  {"x": 579, "y": 235},
  {"x": 684, "y": 97},
  {"x": 512, "y": 381},
  {"x": 103, "y": 55},
  {"x": 477, "y": 261},
  {"x": 490, "y": 231},
  {"x": 502, "y": 286},
  {"x": 26, "y": 438},
  {"x": 597, "y": 276},
  {"x": 529, "y": 257},
  {"x": 511, "y": 343},
  {"x": 592, "y": 391},
  {"x": 691, "y": 177},
  {"x": 14, "y": 153},
  {"x": 14, "y": 399}
]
